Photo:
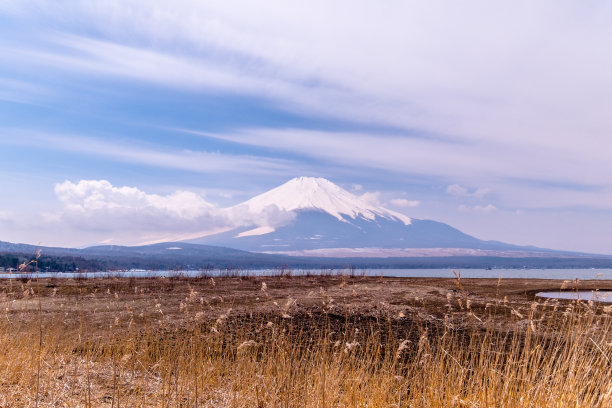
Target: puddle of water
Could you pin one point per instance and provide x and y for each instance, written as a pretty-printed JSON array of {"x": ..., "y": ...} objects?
[{"x": 604, "y": 296}]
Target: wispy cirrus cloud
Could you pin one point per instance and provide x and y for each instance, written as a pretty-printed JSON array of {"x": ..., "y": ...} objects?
[
  {"x": 377, "y": 198},
  {"x": 404, "y": 203},
  {"x": 478, "y": 208},
  {"x": 460, "y": 191},
  {"x": 510, "y": 95},
  {"x": 486, "y": 162},
  {"x": 406, "y": 73},
  {"x": 147, "y": 154},
  {"x": 19, "y": 91}
]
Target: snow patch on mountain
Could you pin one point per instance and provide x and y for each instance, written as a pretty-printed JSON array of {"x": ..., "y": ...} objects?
[
  {"x": 310, "y": 193},
  {"x": 256, "y": 231}
]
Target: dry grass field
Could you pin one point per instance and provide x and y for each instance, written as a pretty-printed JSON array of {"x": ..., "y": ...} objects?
[{"x": 301, "y": 341}]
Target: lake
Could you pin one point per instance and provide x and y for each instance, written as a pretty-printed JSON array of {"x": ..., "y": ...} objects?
[
  {"x": 564, "y": 274},
  {"x": 604, "y": 296}
]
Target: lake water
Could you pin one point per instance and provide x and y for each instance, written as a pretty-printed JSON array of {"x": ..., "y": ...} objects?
[
  {"x": 604, "y": 296},
  {"x": 565, "y": 274}
]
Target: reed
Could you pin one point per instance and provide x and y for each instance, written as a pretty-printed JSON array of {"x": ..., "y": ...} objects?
[{"x": 136, "y": 350}]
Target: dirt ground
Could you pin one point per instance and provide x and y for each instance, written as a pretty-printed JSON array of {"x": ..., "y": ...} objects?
[
  {"x": 75, "y": 319},
  {"x": 172, "y": 300}
]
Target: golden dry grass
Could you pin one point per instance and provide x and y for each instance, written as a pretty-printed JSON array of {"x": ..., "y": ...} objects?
[{"x": 123, "y": 344}]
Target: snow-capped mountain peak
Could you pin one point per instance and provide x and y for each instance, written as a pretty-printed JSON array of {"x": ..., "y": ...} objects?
[
  {"x": 316, "y": 193},
  {"x": 309, "y": 213}
]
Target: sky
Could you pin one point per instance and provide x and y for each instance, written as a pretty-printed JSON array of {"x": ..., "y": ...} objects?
[{"x": 134, "y": 121}]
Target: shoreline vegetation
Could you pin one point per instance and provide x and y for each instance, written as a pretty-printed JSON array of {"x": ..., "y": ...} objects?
[
  {"x": 302, "y": 341},
  {"x": 51, "y": 263},
  {"x": 168, "y": 257}
]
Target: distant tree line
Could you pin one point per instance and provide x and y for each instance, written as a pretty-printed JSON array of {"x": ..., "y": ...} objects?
[
  {"x": 108, "y": 262},
  {"x": 50, "y": 263}
]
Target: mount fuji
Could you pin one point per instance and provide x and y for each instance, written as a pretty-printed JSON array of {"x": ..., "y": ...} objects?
[{"x": 313, "y": 216}]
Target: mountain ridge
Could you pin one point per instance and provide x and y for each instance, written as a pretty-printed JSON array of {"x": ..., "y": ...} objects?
[
  {"x": 182, "y": 256},
  {"x": 312, "y": 213},
  {"x": 317, "y": 193},
  {"x": 311, "y": 221}
]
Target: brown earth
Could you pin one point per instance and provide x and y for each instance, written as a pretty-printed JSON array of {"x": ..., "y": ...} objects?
[
  {"x": 143, "y": 299},
  {"x": 88, "y": 329}
]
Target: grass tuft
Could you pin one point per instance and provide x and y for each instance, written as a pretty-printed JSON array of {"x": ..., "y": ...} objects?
[{"x": 182, "y": 342}]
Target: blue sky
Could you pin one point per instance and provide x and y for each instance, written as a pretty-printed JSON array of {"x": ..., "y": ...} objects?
[{"x": 490, "y": 116}]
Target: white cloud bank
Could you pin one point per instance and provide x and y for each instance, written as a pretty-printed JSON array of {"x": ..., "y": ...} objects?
[
  {"x": 99, "y": 196},
  {"x": 132, "y": 214},
  {"x": 104, "y": 213},
  {"x": 95, "y": 211}
]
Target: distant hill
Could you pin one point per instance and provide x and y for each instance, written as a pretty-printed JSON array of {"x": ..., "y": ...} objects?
[
  {"x": 178, "y": 255},
  {"x": 167, "y": 256}
]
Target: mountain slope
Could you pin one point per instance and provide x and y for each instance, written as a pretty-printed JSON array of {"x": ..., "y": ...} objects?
[
  {"x": 314, "y": 213},
  {"x": 313, "y": 229},
  {"x": 310, "y": 193}
]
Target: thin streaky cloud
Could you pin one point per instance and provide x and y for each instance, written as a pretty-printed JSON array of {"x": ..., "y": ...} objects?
[
  {"x": 19, "y": 91},
  {"x": 422, "y": 156},
  {"x": 461, "y": 191},
  {"x": 83, "y": 55},
  {"x": 404, "y": 203},
  {"x": 431, "y": 83},
  {"x": 470, "y": 113},
  {"x": 511, "y": 96},
  {"x": 197, "y": 161}
]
